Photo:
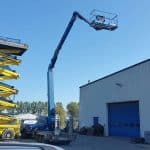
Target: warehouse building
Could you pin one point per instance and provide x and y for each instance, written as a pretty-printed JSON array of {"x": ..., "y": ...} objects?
[{"x": 119, "y": 101}]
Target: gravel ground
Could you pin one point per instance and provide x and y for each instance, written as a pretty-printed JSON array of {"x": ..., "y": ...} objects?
[{"x": 104, "y": 143}]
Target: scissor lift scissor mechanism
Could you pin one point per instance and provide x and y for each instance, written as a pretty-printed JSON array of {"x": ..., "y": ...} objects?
[
  {"x": 9, "y": 50},
  {"x": 7, "y": 59}
]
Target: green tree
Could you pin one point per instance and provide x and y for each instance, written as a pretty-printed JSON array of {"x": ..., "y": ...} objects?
[
  {"x": 45, "y": 108},
  {"x": 19, "y": 108},
  {"x": 27, "y": 107},
  {"x": 73, "y": 110},
  {"x": 33, "y": 107},
  {"x": 60, "y": 111}
]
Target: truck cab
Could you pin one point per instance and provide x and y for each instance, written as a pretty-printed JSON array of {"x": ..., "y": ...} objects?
[{"x": 30, "y": 126}]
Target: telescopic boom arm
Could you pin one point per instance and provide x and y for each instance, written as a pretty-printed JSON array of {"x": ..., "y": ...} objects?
[
  {"x": 60, "y": 44},
  {"x": 51, "y": 104},
  {"x": 98, "y": 22}
]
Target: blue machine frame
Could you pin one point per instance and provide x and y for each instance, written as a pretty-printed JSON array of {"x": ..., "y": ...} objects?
[{"x": 94, "y": 23}]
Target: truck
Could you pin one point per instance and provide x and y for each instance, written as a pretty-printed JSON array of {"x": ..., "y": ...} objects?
[
  {"x": 30, "y": 126},
  {"x": 54, "y": 134}
]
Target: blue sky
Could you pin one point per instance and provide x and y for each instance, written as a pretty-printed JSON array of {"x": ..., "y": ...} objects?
[{"x": 86, "y": 54}]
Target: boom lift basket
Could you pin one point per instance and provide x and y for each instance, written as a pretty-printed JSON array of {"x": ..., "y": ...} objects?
[{"x": 103, "y": 20}]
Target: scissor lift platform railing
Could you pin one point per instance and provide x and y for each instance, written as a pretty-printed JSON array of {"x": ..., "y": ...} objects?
[{"x": 12, "y": 46}]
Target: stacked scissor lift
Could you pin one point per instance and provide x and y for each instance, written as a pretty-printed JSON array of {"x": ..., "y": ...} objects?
[{"x": 10, "y": 49}]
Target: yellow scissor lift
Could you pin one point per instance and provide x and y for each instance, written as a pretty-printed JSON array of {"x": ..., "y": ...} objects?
[{"x": 9, "y": 50}]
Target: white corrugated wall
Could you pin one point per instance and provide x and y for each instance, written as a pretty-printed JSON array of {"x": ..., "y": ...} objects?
[{"x": 135, "y": 85}]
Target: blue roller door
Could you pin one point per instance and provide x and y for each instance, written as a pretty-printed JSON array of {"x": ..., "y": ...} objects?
[{"x": 123, "y": 119}]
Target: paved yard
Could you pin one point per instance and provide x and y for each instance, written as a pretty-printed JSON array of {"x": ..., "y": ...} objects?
[
  {"x": 99, "y": 143},
  {"x": 104, "y": 143}
]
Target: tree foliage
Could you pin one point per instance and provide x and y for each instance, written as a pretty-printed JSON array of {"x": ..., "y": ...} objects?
[
  {"x": 60, "y": 111},
  {"x": 34, "y": 107},
  {"x": 73, "y": 109},
  {"x": 41, "y": 108}
]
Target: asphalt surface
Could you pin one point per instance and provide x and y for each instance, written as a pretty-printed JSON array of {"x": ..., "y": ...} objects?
[
  {"x": 98, "y": 143},
  {"x": 104, "y": 143}
]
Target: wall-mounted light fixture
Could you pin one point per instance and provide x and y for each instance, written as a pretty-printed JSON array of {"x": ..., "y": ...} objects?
[{"x": 119, "y": 84}]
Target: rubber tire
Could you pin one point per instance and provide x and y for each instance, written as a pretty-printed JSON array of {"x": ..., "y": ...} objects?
[
  {"x": 23, "y": 134},
  {"x": 43, "y": 139},
  {"x": 8, "y": 135},
  {"x": 34, "y": 132}
]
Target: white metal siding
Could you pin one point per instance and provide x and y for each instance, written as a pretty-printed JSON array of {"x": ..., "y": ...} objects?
[{"x": 135, "y": 86}]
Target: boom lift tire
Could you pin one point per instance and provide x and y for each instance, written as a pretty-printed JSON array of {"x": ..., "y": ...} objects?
[{"x": 8, "y": 135}]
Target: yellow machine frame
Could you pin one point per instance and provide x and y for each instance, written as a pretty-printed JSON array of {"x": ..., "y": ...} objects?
[
  {"x": 6, "y": 90},
  {"x": 6, "y": 74},
  {"x": 9, "y": 50},
  {"x": 9, "y": 123},
  {"x": 6, "y": 105},
  {"x": 6, "y": 60},
  {"x": 14, "y": 128}
]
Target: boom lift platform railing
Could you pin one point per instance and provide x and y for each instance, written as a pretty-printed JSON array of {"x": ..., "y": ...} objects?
[{"x": 103, "y": 20}]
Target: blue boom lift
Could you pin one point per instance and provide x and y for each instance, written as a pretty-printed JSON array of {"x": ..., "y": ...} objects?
[{"x": 99, "y": 21}]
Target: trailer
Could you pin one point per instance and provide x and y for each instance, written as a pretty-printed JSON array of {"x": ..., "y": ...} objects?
[{"x": 52, "y": 138}]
